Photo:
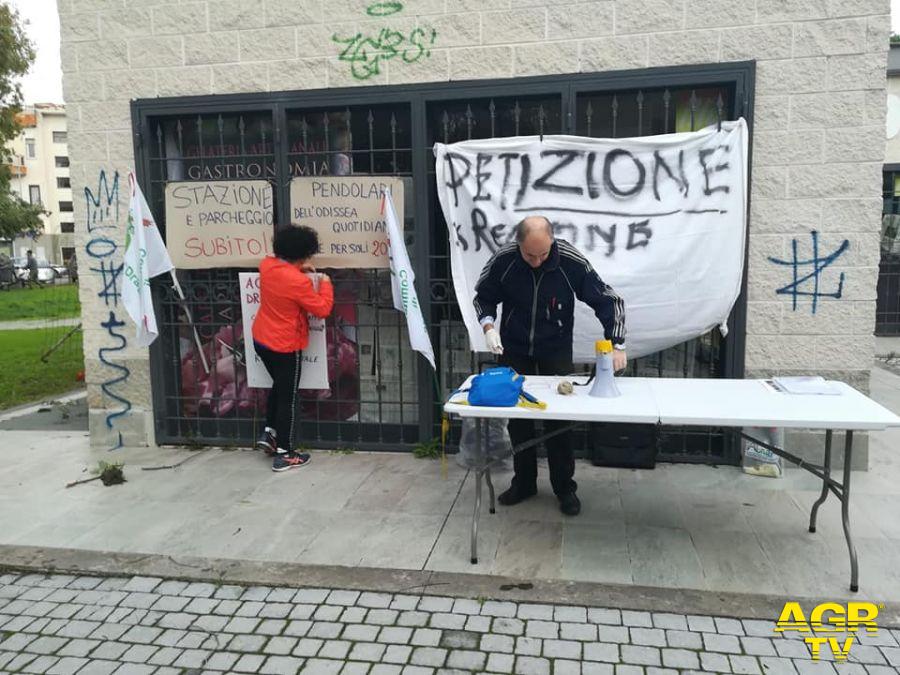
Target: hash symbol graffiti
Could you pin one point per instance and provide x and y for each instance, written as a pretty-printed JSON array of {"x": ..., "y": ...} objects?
[
  {"x": 816, "y": 265},
  {"x": 109, "y": 275}
]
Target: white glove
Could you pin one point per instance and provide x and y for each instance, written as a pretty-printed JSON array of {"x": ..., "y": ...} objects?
[{"x": 492, "y": 337}]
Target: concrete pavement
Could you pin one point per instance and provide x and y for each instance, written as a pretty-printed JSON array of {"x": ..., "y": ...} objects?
[
  {"x": 359, "y": 564},
  {"x": 679, "y": 526}
]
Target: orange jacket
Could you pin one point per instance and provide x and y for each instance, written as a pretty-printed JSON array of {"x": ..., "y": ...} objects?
[{"x": 286, "y": 296}]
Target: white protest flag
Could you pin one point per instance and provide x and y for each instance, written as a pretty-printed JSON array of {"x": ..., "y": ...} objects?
[
  {"x": 402, "y": 283},
  {"x": 145, "y": 257}
]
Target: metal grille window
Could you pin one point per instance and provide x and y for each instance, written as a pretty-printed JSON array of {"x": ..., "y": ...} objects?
[
  {"x": 887, "y": 311},
  {"x": 383, "y": 395},
  {"x": 218, "y": 406},
  {"x": 450, "y": 122},
  {"x": 373, "y": 398}
]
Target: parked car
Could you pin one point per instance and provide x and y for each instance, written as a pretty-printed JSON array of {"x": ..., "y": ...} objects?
[{"x": 46, "y": 271}]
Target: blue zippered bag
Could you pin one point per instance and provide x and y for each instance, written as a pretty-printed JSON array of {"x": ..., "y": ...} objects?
[{"x": 497, "y": 387}]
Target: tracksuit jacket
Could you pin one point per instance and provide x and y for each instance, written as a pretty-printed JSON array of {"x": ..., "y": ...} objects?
[{"x": 539, "y": 304}]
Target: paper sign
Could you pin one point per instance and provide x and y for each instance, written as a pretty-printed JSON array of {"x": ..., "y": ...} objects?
[
  {"x": 219, "y": 223},
  {"x": 314, "y": 371},
  {"x": 346, "y": 212}
]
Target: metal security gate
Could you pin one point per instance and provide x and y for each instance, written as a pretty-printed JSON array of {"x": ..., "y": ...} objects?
[
  {"x": 887, "y": 308},
  {"x": 383, "y": 396}
]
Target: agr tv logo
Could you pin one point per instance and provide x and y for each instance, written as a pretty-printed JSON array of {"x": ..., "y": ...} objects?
[{"x": 826, "y": 622}]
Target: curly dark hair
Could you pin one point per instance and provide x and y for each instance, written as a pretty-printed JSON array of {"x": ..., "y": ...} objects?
[{"x": 295, "y": 242}]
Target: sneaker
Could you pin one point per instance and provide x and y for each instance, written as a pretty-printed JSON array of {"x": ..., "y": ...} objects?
[
  {"x": 266, "y": 442},
  {"x": 570, "y": 504},
  {"x": 514, "y": 495},
  {"x": 290, "y": 460}
]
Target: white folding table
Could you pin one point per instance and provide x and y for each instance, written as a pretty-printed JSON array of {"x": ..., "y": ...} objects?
[{"x": 699, "y": 402}]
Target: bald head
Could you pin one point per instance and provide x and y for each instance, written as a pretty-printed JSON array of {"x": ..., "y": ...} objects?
[
  {"x": 533, "y": 225},
  {"x": 534, "y": 235}
]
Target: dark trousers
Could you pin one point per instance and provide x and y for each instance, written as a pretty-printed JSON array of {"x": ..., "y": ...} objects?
[
  {"x": 559, "y": 448},
  {"x": 281, "y": 409}
]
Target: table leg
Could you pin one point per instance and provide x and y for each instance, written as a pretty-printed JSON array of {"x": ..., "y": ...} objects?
[
  {"x": 487, "y": 477},
  {"x": 478, "y": 474},
  {"x": 825, "y": 489},
  {"x": 845, "y": 512}
]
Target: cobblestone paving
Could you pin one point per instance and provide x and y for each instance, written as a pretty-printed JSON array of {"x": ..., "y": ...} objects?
[{"x": 80, "y": 624}]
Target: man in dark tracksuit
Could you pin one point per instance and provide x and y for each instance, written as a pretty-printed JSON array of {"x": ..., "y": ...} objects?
[{"x": 537, "y": 280}]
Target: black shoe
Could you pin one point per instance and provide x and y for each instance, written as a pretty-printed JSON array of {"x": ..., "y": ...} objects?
[
  {"x": 515, "y": 495},
  {"x": 267, "y": 443},
  {"x": 290, "y": 460},
  {"x": 570, "y": 504}
]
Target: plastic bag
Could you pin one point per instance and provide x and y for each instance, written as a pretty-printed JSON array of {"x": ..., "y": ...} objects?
[
  {"x": 757, "y": 460},
  {"x": 495, "y": 443}
]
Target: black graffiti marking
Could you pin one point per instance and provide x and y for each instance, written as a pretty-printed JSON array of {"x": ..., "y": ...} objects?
[
  {"x": 625, "y": 214},
  {"x": 461, "y": 240},
  {"x": 609, "y": 237},
  {"x": 566, "y": 158},
  {"x": 481, "y": 161},
  {"x": 703, "y": 154},
  {"x": 642, "y": 228},
  {"x": 650, "y": 173},
  {"x": 507, "y": 157},
  {"x": 694, "y": 211},
  {"x": 593, "y": 190},
  {"x": 611, "y": 157},
  {"x": 562, "y": 230},
  {"x": 681, "y": 180},
  {"x": 455, "y": 183},
  {"x": 597, "y": 236},
  {"x": 526, "y": 174},
  {"x": 481, "y": 229}
]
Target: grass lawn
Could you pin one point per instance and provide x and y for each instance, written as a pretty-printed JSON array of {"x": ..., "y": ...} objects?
[
  {"x": 24, "y": 378},
  {"x": 50, "y": 302}
]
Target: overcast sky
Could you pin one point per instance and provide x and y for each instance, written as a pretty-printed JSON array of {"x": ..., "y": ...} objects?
[{"x": 43, "y": 84}]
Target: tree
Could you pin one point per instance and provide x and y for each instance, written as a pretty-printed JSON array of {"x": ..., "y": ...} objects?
[{"x": 16, "y": 54}]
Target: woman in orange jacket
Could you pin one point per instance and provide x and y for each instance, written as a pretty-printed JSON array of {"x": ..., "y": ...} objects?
[{"x": 281, "y": 333}]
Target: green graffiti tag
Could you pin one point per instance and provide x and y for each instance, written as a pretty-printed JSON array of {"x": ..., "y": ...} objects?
[
  {"x": 366, "y": 53},
  {"x": 384, "y": 8}
]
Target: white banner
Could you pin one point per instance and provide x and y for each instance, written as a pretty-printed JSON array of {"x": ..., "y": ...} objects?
[
  {"x": 145, "y": 257},
  {"x": 661, "y": 218},
  {"x": 314, "y": 371}
]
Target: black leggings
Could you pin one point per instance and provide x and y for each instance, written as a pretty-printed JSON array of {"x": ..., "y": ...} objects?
[{"x": 281, "y": 409}]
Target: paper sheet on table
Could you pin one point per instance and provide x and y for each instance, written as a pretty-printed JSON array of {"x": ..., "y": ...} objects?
[{"x": 812, "y": 384}]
